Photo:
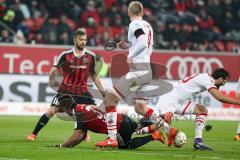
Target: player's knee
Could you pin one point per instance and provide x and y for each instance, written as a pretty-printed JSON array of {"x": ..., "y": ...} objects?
[
  {"x": 110, "y": 98},
  {"x": 79, "y": 135},
  {"x": 78, "y": 138},
  {"x": 52, "y": 111},
  {"x": 140, "y": 108},
  {"x": 199, "y": 109}
]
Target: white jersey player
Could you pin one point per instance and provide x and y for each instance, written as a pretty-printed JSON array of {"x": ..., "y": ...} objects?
[
  {"x": 140, "y": 37},
  {"x": 188, "y": 87},
  {"x": 141, "y": 46},
  {"x": 237, "y": 137},
  {"x": 178, "y": 100}
]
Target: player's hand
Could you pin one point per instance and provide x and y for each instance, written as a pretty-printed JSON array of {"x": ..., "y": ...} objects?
[
  {"x": 55, "y": 145},
  {"x": 130, "y": 62},
  {"x": 208, "y": 127},
  {"x": 123, "y": 45}
]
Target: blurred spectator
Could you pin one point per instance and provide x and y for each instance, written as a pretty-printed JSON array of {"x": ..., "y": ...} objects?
[
  {"x": 56, "y": 7},
  {"x": 112, "y": 14},
  {"x": 214, "y": 9},
  {"x": 48, "y": 31},
  {"x": 2, "y": 8},
  {"x": 228, "y": 22},
  {"x": 90, "y": 11},
  {"x": 23, "y": 8},
  {"x": 63, "y": 30},
  {"x": 19, "y": 17},
  {"x": 109, "y": 4},
  {"x": 6, "y": 37},
  {"x": 19, "y": 38},
  {"x": 91, "y": 31},
  {"x": 75, "y": 11},
  {"x": 205, "y": 21},
  {"x": 64, "y": 38}
]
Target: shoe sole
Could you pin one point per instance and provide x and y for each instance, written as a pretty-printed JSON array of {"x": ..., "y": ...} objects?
[{"x": 199, "y": 149}]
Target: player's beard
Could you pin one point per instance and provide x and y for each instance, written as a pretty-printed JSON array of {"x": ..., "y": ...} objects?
[
  {"x": 80, "y": 47},
  {"x": 218, "y": 85}
]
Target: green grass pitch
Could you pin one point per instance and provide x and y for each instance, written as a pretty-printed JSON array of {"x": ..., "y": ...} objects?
[{"x": 14, "y": 146}]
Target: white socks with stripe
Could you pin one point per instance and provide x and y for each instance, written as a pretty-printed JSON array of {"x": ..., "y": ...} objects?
[
  {"x": 157, "y": 120},
  {"x": 145, "y": 130},
  {"x": 200, "y": 121},
  {"x": 111, "y": 120}
]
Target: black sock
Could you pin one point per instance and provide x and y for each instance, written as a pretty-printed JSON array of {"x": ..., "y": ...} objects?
[
  {"x": 140, "y": 141},
  {"x": 41, "y": 123}
]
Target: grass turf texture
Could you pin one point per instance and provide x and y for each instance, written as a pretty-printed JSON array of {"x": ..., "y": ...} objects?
[{"x": 14, "y": 146}]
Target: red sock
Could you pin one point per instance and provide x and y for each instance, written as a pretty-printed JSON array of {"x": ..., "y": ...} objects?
[{"x": 149, "y": 113}]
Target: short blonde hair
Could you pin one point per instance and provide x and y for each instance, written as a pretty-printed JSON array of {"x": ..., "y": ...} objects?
[{"x": 135, "y": 7}]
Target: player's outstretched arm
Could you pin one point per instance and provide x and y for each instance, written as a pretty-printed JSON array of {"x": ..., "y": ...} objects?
[
  {"x": 77, "y": 137},
  {"x": 98, "y": 83},
  {"x": 52, "y": 75},
  {"x": 223, "y": 98},
  {"x": 141, "y": 44}
]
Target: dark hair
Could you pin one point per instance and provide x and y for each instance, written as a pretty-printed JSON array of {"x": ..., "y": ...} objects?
[
  {"x": 220, "y": 73},
  {"x": 79, "y": 32}
]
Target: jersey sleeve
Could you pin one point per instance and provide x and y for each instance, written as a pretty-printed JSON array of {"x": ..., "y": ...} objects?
[
  {"x": 59, "y": 61},
  {"x": 208, "y": 82},
  {"x": 136, "y": 28},
  {"x": 93, "y": 64}
]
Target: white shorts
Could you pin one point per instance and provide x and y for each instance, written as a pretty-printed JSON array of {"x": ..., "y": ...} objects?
[
  {"x": 134, "y": 83},
  {"x": 171, "y": 103}
]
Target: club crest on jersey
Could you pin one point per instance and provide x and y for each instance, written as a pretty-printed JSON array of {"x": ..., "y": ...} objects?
[{"x": 85, "y": 60}]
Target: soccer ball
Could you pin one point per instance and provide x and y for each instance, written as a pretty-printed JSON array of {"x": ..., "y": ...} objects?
[{"x": 180, "y": 139}]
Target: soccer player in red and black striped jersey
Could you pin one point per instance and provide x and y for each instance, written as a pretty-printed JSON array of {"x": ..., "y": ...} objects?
[
  {"x": 69, "y": 75},
  {"x": 89, "y": 117}
]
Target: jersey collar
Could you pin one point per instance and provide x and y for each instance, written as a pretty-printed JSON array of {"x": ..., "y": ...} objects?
[
  {"x": 78, "y": 55},
  {"x": 137, "y": 19}
]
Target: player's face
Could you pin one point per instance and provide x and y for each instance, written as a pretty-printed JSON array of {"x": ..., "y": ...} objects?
[
  {"x": 80, "y": 42},
  {"x": 220, "y": 82},
  {"x": 129, "y": 13}
]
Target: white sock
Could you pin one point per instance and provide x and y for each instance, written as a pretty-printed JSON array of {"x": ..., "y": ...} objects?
[
  {"x": 200, "y": 121},
  {"x": 157, "y": 120},
  {"x": 145, "y": 130},
  {"x": 111, "y": 120},
  {"x": 238, "y": 130}
]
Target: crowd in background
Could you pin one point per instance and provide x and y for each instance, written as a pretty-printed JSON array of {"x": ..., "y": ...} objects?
[{"x": 203, "y": 25}]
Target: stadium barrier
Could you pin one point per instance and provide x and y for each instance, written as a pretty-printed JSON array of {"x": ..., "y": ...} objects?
[
  {"x": 31, "y": 95},
  {"x": 38, "y": 59}
]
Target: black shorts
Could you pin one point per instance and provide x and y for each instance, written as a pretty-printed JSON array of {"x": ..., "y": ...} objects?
[
  {"x": 85, "y": 98},
  {"x": 127, "y": 128}
]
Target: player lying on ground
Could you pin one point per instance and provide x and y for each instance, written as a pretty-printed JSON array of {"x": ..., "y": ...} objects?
[
  {"x": 237, "y": 137},
  {"x": 88, "y": 117},
  {"x": 74, "y": 66},
  {"x": 178, "y": 101}
]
